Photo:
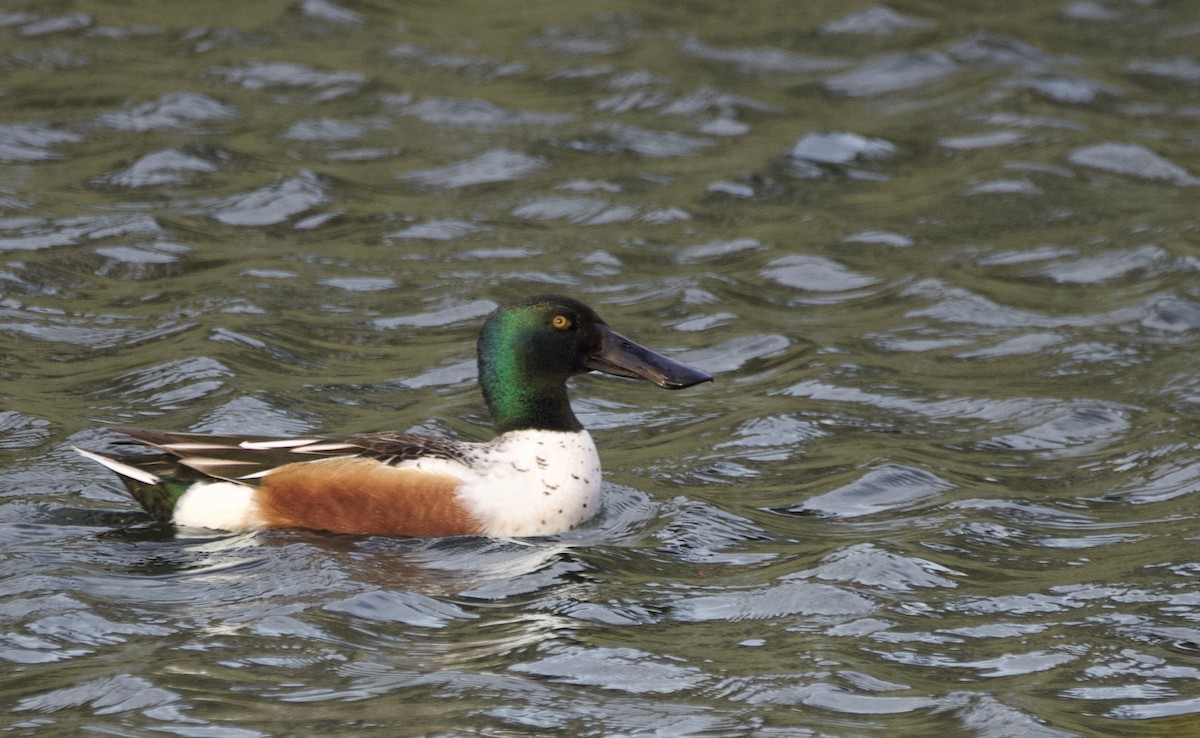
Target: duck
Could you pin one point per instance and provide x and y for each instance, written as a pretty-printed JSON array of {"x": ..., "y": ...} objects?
[{"x": 539, "y": 475}]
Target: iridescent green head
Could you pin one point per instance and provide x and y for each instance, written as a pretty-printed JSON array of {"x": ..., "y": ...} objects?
[{"x": 528, "y": 350}]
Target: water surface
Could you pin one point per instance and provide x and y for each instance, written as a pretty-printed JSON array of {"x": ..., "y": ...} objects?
[{"x": 942, "y": 260}]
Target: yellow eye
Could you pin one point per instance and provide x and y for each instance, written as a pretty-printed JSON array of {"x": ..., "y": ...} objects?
[{"x": 560, "y": 322}]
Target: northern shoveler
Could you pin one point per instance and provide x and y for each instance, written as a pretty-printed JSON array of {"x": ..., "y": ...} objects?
[{"x": 540, "y": 475}]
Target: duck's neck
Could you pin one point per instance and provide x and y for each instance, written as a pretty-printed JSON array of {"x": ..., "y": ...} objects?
[
  {"x": 521, "y": 399},
  {"x": 515, "y": 408}
]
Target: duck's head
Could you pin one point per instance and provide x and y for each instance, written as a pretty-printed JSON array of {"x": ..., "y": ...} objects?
[{"x": 528, "y": 350}]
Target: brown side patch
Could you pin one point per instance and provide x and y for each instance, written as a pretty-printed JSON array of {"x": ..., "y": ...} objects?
[{"x": 364, "y": 497}]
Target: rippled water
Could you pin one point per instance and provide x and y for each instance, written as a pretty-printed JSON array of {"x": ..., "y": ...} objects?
[{"x": 942, "y": 259}]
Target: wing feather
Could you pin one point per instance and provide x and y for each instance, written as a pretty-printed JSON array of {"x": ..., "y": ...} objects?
[{"x": 251, "y": 458}]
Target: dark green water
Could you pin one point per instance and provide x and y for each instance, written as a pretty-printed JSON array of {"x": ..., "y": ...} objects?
[{"x": 941, "y": 258}]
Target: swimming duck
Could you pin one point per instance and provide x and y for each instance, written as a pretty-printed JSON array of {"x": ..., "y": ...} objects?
[{"x": 540, "y": 475}]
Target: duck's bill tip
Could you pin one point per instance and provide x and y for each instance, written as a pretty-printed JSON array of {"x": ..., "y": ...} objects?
[
  {"x": 623, "y": 358},
  {"x": 682, "y": 378}
]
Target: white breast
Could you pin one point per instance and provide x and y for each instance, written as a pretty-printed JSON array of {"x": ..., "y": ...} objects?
[{"x": 534, "y": 482}]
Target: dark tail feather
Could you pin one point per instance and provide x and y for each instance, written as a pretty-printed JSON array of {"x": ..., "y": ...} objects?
[{"x": 156, "y": 482}]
